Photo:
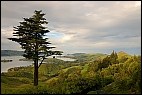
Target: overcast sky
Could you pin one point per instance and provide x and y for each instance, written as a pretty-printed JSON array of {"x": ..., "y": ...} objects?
[{"x": 79, "y": 26}]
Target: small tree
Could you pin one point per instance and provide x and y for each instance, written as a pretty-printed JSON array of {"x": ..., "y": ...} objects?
[
  {"x": 30, "y": 35},
  {"x": 113, "y": 58}
]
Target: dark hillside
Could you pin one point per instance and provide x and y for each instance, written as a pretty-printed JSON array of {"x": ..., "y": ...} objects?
[{"x": 11, "y": 53}]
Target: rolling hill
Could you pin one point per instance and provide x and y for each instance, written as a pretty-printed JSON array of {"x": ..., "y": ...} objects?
[{"x": 11, "y": 53}]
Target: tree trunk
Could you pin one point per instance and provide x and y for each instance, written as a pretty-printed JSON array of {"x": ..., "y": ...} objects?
[
  {"x": 36, "y": 65},
  {"x": 36, "y": 72}
]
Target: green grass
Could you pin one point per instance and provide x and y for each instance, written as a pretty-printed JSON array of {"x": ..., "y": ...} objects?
[
  {"x": 85, "y": 67},
  {"x": 66, "y": 69}
]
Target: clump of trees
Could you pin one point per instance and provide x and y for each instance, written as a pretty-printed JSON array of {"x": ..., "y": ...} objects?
[
  {"x": 113, "y": 78},
  {"x": 109, "y": 60}
]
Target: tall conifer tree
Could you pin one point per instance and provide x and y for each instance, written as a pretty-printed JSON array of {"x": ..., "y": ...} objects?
[{"x": 30, "y": 35}]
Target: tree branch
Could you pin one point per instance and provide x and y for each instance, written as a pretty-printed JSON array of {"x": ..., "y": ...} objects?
[{"x": 41, "y": 61}]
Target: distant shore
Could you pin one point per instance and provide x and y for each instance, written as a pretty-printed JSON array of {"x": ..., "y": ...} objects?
[{"x": 6, "y": 60}]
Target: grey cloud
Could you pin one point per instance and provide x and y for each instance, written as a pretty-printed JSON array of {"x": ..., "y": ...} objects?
[
  {"x": 88, "y": 22},
  {"x": 126, "y": 27}
]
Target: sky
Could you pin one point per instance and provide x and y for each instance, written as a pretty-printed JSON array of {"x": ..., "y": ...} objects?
[{"x": 79, "y": 26}]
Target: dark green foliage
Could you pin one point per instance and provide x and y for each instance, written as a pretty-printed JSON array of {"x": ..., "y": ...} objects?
[
  {"x": 113, "y": 58},
  {"x": 105, "y": 63},
  {"x": 109, "y": 60},
  {"x": 30, "y": 35}
]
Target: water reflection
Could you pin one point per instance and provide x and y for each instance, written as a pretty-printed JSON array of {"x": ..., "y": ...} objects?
[{"x": 16, "y": 63}]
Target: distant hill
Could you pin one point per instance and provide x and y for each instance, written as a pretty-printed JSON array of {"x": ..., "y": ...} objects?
[
  {"x": 123, "y": 54},
  {"x": 83, "y": 57},
  {"x": 76, "y": 54},
  {"x": 11, "y": 53}
]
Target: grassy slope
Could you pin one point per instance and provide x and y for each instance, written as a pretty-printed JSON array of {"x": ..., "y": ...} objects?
[{"x": 19, "y": 82}]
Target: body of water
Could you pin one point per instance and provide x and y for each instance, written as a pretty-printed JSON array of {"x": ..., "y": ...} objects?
[{"x": 16, "y": 63}]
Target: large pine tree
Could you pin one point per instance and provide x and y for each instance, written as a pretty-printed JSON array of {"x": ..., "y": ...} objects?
[{"x": 30, "y": 35}]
